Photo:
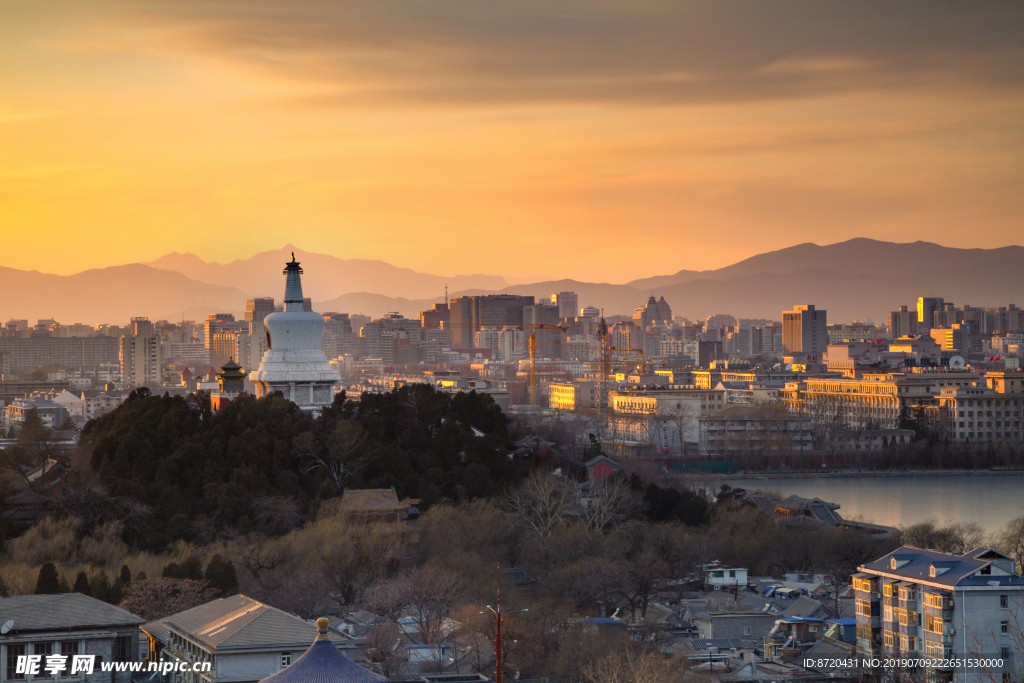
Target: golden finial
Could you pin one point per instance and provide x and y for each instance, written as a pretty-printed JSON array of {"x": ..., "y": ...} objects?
[{"x": 322, "y": 624}]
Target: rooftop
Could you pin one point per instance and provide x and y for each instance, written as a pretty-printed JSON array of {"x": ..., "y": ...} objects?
[{"x": 61, "y": 612}]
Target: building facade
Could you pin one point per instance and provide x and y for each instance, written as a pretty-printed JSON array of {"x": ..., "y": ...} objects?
[
  {"x": 940, "y": 606},
  {"x": 805, "y": 330}
]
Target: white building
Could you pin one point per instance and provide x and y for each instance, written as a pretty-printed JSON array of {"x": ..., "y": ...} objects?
[{"x": 294, "y": 363}]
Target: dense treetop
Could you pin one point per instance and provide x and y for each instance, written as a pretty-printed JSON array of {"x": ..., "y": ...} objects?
[{"x": 259, "y": 463}]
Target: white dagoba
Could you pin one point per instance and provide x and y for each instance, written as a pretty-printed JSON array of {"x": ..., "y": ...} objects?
[{"x": 294, "y": 362}]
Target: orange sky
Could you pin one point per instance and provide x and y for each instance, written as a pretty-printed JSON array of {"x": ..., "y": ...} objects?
[{"x": 594, "y": 140}]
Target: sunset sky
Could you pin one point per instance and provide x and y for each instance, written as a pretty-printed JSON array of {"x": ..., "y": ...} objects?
[{"x": 530, "y": 138}]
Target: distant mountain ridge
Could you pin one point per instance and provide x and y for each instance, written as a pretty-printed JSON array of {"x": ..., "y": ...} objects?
[
  {"x": 325, "y": 276},
  {"x": 853, "y": 280}
]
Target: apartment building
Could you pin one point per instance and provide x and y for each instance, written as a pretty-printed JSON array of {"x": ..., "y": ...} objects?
[
  {"x": 140, "y": 354},
  {"x": 923, "y": 603},
  {"x": 666, "y": 418}
]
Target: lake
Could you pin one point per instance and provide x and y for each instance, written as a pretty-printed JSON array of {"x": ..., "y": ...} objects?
[{"x": 991, "y": 500}]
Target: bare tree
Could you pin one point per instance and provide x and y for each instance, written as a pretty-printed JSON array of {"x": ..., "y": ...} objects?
[
  {"x": 544, "y": 502},
  {"x": 384, "y": 651},
  {"x": 610, "y": 503},
  {"x": 157, "y": 598},
  {"x": 1011, "y": 541},
  {"x": 260, "y": 557},
  {"x": 337, "y": 453}
]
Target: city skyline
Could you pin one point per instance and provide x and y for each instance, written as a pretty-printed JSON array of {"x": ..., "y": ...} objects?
[{"x": 470, "y": 134}]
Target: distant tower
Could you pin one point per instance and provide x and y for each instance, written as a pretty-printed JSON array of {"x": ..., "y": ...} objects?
[{"x": 294, "y": 362}]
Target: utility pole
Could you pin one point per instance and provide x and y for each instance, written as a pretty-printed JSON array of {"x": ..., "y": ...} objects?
[{"x": 499, "y": 648}]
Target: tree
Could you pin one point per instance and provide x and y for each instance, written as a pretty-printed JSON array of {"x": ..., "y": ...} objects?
[
  {"x": 1011, "y": 541},
  {"x": 610, "y": 502},
  {"x": 101, "y": 589},
  {"x": 220, "y": 574},
  {"x": 82, "y": 585},
  {"x": 157, "y": 598},
  {"x": 48, "y": 582},
  {"x": 544, "y": 502},
  {"x": 384, "y": 651}
]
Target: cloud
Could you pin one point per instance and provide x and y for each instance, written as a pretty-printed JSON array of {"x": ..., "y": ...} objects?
[{"x": 629, "y": 51}]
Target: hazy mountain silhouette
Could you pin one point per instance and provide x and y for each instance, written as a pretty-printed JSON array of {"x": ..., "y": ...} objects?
[
  {"x": 857, "y": 279},
  {"x": 108, "y": 295},
  {"x": 325, "y": 276}
]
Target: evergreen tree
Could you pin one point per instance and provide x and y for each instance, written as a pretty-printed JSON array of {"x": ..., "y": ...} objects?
[
  {"x": 48, "y": 582},
  {"x": 101, "y": 589},
  {"x": 82, "y": 585},
  {"x": 3, "y": 588},
  {"x": 126, "y": 575},
  {"x": 172, "y": 571},
  {"x": 141, "y": 576},
  {"x": 192, "y": 569},
  {"x": 220, "y": 573}
]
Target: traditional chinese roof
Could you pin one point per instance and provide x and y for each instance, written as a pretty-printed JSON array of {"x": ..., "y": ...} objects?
[{"x": 324, "y": 663}]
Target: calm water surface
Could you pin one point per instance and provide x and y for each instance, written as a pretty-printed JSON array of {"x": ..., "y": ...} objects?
[{"x": 989, "y": 500}]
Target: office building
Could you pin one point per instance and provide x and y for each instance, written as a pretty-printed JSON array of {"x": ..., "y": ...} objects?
[
  {"x": 221, "y": 336},
  {"x": 568, "y": 304},
  {"x": 805, "y": 330},
  {"x": 927, "y": 306},
  {"x": 470, "y": 313},
  {"x": 24, "y": 353}
]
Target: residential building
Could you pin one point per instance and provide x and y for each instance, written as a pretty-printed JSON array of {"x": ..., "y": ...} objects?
[
  {"x": 902, "y": 323},
  {"x": 941, "y": 606},
  {"x": 24, "y": 353},
  {"x": 52, "y": 414},
  {"x": 96, "y": 403},
  {"x": 725, "y": 577},
  {"x": 804, "y": 330},
  {"x": 243, "y": 639},
  {"x": 67, "y": 625},
  {"x": 139, "y": 355},
  {"x": 957, "y": 338}
]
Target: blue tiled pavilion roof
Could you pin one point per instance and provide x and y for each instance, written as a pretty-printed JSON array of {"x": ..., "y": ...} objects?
[{"x": 324, "y": 663}]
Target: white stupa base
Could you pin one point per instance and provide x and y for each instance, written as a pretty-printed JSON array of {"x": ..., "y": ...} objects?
[{"x": 303, "y": 376}]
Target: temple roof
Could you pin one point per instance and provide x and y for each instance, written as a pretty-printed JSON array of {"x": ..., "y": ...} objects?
[{"x": 324, "y": 663}]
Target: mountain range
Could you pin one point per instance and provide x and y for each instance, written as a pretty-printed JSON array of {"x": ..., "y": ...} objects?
[{"x": 854, "y": 280}]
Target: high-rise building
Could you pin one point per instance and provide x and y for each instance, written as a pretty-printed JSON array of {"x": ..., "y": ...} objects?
[
  {"x": 804, "y": 330},
  {"x": 656, "y": 312},
  {"x": 926, "y": 309},
  {"x": 221, "y": 337},
  {"x": 568, "y": 304},
  {"x": 435, "y": 318},
  {"x": 295, "y": 363},
  {"x": 470, "y": 313},
  {"x": 902, "y": 323},
  {"x": 542, "y": 320},
  {"x": 139, "y": 355}
]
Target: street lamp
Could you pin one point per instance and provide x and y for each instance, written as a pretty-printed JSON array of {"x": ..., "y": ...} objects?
[{"x": 499, "y": 616}]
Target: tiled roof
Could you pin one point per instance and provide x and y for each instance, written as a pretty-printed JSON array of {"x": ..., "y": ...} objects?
[
  {"x": 914, "y": 564},
  {"x": 323, "y": 663},
  {"x": 717, "y": 643},
  {"x": 238, "y": 622},
  {"x": 61, "y": 611}
]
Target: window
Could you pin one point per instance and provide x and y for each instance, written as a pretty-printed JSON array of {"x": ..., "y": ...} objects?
[
  {"x": 13, "y": 652},
  {"x": 888, "y": 613},
  {"x": 887, "y": 588},
  {"x": 1004, "y": 601},
  {"x": 746, "y": 631},
  {"x": 286, "y": 659},
  {"x": 888, "y": 639},
  {"x": 69, "y": 648},
  {"x": 122, "y": 649},
  {"x": 42, "y": 649},
  {"x": 1004, "y": 653},
  {"x": 1004, "y": 626},
  {"x": 812, "y": 628}
]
